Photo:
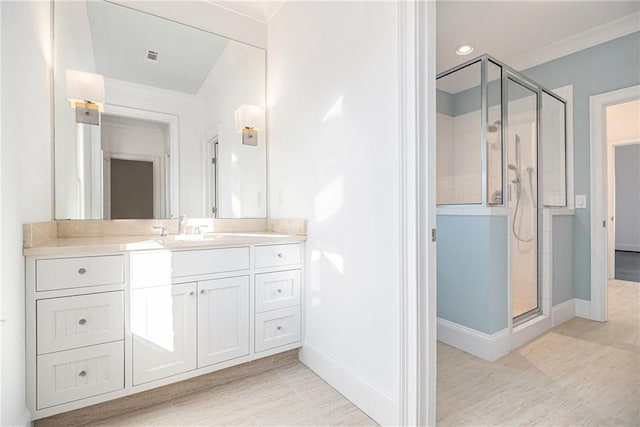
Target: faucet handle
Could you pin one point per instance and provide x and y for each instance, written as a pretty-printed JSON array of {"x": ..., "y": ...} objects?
[
  {"x": 164, "y": 230},
  {"x": 198, "y": 229}
]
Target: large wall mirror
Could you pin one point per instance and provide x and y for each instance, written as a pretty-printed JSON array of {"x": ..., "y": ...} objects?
[{"x": 167, "y": 141}]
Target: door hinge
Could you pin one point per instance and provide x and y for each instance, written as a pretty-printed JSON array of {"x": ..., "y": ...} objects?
[
  {"x": 213, "y": 160},
  {"x": 433, "y": 234},
  {"x": 604, "y": 224},
  {"x": 213, "y": 210}
]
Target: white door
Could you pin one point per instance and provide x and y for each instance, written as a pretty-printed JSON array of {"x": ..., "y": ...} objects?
[
  {"x": 223, "y": 319},
  {"x": 163, "y": 325}
]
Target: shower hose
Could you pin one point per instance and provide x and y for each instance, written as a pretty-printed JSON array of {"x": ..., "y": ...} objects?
[{"x": 515, "y": 214}]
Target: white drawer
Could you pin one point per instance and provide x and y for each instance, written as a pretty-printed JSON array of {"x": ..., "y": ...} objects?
[
  {"x": 71, "y": 375},
  {"x": 155, "y": 268},
  {"x": 277, "y": 255},
  {"x": 277, "y": 290},
  {"x": 79, "y": 321},
  {"x": 277, "y": 328},
  {"x": 63, "y": 273}
]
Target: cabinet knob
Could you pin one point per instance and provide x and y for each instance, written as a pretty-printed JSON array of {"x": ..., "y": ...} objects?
[
  {"x": 192, "y": 293},
  {"x": 82, "y": 322},
  {"x": 202, "y": 292},
  {"x": 82, "y": 373},
  {"x": 279, "y": 255},
  {"x": 279, "y": 290},
  {"x": 278, "y": 328},
  {"x": 82, "y": 271}
]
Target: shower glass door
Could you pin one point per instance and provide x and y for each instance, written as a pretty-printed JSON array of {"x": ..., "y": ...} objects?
[{"x": 521, "y": 182}]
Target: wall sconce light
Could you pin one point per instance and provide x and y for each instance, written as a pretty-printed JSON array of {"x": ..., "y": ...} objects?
[
  {"x": 85, "y": 92},
  {"x": 249, "y": 120}
]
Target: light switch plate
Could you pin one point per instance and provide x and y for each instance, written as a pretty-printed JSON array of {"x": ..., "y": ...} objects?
[{"x": 581, "y": 201}]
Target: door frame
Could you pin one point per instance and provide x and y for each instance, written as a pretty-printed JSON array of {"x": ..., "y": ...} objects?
[
  {"x": 417, "y": 205},
  {"x": 172, "y": 205},
  {"x": 598, "y": 188},
  {"x": 611, "y": 203}
]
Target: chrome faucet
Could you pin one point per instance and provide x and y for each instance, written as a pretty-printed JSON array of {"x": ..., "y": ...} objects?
[
  {"x": 182, "y": 225},
  {"x": 163, "y": 230}
]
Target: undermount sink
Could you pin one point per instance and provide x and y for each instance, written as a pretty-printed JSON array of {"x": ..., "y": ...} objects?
[{"x": 194, "y": 237}]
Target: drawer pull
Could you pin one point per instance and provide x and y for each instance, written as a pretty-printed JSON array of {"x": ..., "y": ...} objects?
[
  {"x": 82, "y": 271},
  {"x": 279, "y": 254},
  {"x": 279, "y": 290},
  {"x": 82, "y": 374},
  {"x": 278, "y": 328},
  {"x": 82, "y": 322}
]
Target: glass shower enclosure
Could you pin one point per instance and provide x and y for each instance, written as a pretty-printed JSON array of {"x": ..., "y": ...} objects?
[{"x": 501, "y": 150}]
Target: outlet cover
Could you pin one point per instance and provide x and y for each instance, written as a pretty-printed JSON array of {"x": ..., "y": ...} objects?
[{"x": 581, "y": 201}]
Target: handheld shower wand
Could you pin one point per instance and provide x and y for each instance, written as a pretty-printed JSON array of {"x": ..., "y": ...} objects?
[{"x": 518, "y": 182}]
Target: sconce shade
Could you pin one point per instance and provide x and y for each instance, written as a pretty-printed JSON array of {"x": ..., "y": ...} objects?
[
  {"x": 85, "y": 87},
  {"x": 249, "y": 116}
]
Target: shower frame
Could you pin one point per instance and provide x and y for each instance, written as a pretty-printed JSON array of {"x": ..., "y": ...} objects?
[{"x": 506, "y": 73}]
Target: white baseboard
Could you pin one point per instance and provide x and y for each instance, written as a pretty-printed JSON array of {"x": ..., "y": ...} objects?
[
  {"x": 368, "y": 396},
  {"x": 522, "y": 334},
  {"x": 627, "y": 247},
  {"x": 562, "y": 312},
  {"x": 485, "y": 346},
  {"x": 583, "y": 308}
]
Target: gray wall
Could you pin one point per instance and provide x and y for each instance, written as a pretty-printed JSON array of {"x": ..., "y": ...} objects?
[
  {"x": 603, "y": 68},
  {"x": 562, "y": 259},
  {"x": 472, "y": 271},
  {"x": 627, "y": 218}
]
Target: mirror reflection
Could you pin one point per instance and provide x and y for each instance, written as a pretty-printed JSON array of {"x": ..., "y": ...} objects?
[{"x": 154, "y": 119}]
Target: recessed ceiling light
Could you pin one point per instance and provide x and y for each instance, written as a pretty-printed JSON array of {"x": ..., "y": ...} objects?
[{"x": 464, "y": 49}]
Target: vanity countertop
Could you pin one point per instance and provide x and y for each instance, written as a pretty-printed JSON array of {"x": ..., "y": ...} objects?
[{"x": 110, "y": 244}]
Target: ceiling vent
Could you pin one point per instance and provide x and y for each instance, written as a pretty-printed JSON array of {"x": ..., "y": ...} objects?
[{"x": 152, "y": 55}]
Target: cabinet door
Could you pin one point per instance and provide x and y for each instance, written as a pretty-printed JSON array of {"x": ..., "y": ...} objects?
[
  {"x": 223, "y": 319},
  {"x": 163, "y": 325}
]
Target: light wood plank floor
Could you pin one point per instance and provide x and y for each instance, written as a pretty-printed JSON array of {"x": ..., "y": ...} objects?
[
  {"x": 290, "y": 395},
  {"x": 580, "y": 373}
]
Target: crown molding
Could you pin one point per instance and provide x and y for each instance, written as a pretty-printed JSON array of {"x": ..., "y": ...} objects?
[
  {"x": 611, "y": 30},
  {"x": 267, "y": 8}
]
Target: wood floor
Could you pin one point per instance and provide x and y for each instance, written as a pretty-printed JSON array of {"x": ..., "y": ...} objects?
[
  {"x": 628, "y": 266},
  {"x": 580, "y": 373}
]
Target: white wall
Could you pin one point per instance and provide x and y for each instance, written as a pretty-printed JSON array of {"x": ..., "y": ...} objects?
[
  {"x": 237, "y": 78},
  {"x": 627, "y": 197},
  {"x": 334, "y": 160},
  {"x": 26, "y": 177}
]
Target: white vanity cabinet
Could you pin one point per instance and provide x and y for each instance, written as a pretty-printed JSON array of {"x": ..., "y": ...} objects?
[
  {"x": 223, "y": 320},
  {"x": 163, "y": 330},
  {"x": 110, "y": 325}
]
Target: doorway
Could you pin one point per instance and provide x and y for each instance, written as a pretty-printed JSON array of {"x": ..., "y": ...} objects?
[
  {"x": 134, "y": 167},
  {"x": 605, "y": 134},
  {"x": 131, "y": 189}
]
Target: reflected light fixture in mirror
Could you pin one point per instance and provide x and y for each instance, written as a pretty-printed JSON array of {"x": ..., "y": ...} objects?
[
  {"x": 85, "y": 92},
  {"x": 249, "y": 120}
]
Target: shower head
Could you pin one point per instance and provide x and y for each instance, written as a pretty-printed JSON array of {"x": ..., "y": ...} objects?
[{"x": 493, "y": 127}]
